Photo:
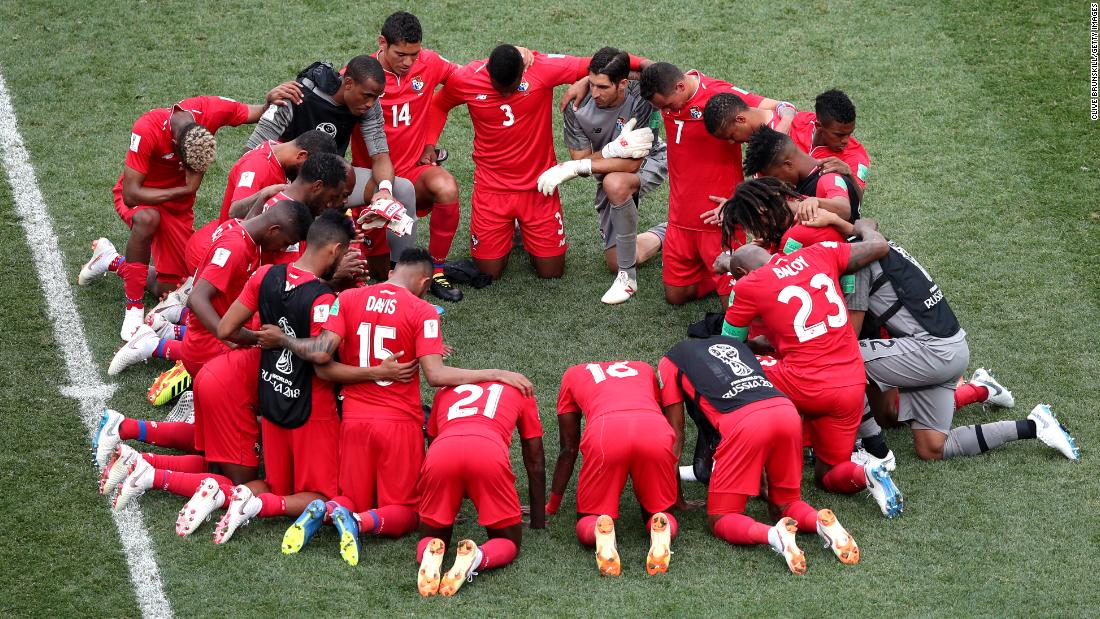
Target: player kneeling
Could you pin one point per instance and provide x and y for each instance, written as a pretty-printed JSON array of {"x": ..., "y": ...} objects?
[
  {"x": 471, "y": 428},
  {"x": 757, "y": 430},
  {"x": 626, "y": 434}
]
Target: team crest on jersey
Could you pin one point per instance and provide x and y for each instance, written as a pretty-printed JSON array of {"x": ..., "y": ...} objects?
[
  {"x": 523, "y": 86},
  {"x": 328, "y": 128},
  {"x": 473, "y": 240},
  {"x": 619, "y": 122},
  {"x": 695, "y": 112},
  {"x": 417, "y": 83}
]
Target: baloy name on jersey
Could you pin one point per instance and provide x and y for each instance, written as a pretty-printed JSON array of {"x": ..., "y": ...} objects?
[{"x": 795, "y": 267}]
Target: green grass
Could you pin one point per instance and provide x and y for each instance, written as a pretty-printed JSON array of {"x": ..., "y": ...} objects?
[{"x": 984, "y": 164}]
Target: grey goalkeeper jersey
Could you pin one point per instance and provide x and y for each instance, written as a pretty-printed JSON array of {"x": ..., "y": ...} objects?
[
  {"x": 591, "y": 128},
  {"x": 278, "y": 117}
]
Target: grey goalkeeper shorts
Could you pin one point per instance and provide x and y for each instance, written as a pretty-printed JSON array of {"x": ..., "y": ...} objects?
[{"x": 653, "y": 172}]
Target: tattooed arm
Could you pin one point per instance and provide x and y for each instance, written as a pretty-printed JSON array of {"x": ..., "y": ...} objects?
[
  {"x": 317, "y": 350},
  {"x": 872, "y": 247}
]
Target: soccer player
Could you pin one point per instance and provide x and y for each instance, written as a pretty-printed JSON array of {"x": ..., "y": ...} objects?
[
  {"x": 826, "y": 134},
  {"x": 341, "y": 104},
  {"x": 771, "y": 153},
  {"x": 699, "y": 166},
  {"x": 228, "y": 264},
  {"x": 381, "y": 440},
  {"x": 625, "y": 434},
  {"x": 620, "y": 182},
  {"x": 470, "y": 429},
  {"x": 412, "y": 75},
  {"x": 756, "y": 431},
  {"x": 513, "y": 143},
  {"x": 923, "y": 357},
  {"x": 820, "y": 369},
  {"x": 170, "y": 149}
]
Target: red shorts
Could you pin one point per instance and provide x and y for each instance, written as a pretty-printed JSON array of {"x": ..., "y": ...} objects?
[
  {"x": 195, "y": 353},
  {"x": 689, "y": 255},
  {"x": 493, "y": 217},
  {"x": 380, "y": 461},
  {"x": 226, "y": 429},
  {"x": 177, "y": 220},
  {"x": 764, "y": 436},
  {"x": 830, "y": 415},
  {"x": 303, "y": 459},
  {"x": 615, "y": 445},
  {"x": 198, "y": 246},
  {"x": 375, "y": 242},
  {"x": 450, "y": 474}
]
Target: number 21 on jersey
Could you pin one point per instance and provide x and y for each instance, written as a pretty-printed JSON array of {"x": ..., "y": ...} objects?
[{"x": 472, "y": 394}]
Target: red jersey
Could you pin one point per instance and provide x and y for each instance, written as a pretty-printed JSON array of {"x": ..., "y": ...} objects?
[
  {"x": 324, "y": 394},
  {"x": 798, "y": 297},
  {"x": 487, "y": 409},
  {"x": 228, "y": 264},
  {"x": 152, "y": 151},
  {"x": 513, "y": 135},
  {"x": 291, "y": 252},
  {"x": 258, "y": 168},
  {"x": 802, "y": 132},
  {"x": 799, "y": 236},
  {"x": 699, "y": 164},
  {"x": 373, "y": 323},
  {"x": 594, "y": 389},
  {"x": 405, "y": 105}
]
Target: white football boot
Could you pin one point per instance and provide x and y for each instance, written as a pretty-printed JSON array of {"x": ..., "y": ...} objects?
[
  {"x": 781, "y": 539},
  {"x": 863, "y": 457},
  {"x": 172, "y": 305},
  {"x": 138, "y": 480},
  {"x": 117, "y": 468},
  {"x": 660, "y": 545},
  {"x": 165, "y": 330},
  {"x": 139, "y": 349},
  {"x": 1049, "y": 430},
  {"x": 428, "y": 575},
  {"x": 621, "y": 290},
  {"x": 197, "y": 510},
  {"x": 135, "y": 317},
  {"x": 998, "y": 395},
  {"x": 106, "y": 436},
  {"x": 243, "y": 507},
  {"x": 103, "y": 254},
  {"x": 467, "y": 557},
  {"x": 837, "y": 538},
  {"x": 607, "y": 555},
  {"x": 884, "y": 491}
]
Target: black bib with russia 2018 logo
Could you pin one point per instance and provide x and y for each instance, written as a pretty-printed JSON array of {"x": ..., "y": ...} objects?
[{"x": 286, "y": 380}]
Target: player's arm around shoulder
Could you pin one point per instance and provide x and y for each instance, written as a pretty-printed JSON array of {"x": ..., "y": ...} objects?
[{"x": 871, "y": 247}]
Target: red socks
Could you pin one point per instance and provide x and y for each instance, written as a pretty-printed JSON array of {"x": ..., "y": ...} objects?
[
  {"x": 388, "y": 521},
  {"x": 441, "y": 231},
  {"x": 171, "y": 434},
  {"x": 845, "y": 478},
  {"x": 421, "y": 546},
  {"x": 134, "y": 275},
  {"x": 805, "y": 514},
  {"x": 970, "y": 394},
  {"x": 185, "y": 484},
  {"x": 116, "y": 263},
  {"x": 586, "y": 530},
  {"x": 496, "y": 552},
  {"x": 171, "y": 350},
  {"x": 271, "y": 505},
  {"x": 705, "y": 287},
  {"x": 177, "y": 464},
  {"x": 741, "y": 530}
]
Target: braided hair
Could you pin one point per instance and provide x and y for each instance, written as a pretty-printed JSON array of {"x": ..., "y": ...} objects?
[
  {"x": 759, "y": 206},
  {"x": 197, "y": 149}
]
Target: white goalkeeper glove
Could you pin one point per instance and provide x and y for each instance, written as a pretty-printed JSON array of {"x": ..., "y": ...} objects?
[
  {"x": 631, "y": 144},
  {"x": 386, "y": 212},
  {"x": 568, "y": 170}
]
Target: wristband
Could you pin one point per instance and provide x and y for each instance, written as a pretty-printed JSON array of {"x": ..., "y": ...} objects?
[{"x": 385, "y": 186}]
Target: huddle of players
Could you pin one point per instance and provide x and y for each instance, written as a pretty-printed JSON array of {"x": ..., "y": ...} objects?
[{"x": 365, "y": 469}]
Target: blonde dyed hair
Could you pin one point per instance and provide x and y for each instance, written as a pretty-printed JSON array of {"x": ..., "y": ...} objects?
[{"x": 198, "y": 148}]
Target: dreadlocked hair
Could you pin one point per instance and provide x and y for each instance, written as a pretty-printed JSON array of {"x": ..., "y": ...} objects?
[
  {"x": 759, "y": 206},
  {"x": 197, "y": 147}
]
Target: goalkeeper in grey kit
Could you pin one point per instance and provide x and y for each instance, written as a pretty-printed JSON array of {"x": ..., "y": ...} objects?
[{"x": 624, "y": 173}]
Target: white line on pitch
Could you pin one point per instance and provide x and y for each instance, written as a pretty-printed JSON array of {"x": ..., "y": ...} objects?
[{"x": 85, "y": 384}]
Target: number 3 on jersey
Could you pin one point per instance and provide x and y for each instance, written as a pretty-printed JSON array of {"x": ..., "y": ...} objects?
[
  {"x": 472, "y": 395},
  {"x": 374, "y": 347},
  {"x": 820, "y": 281},
  {"x": 400, "y": 114},
  {"x": 511, "y": 118}
]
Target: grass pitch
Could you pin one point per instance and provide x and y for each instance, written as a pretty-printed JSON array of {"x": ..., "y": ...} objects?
[{"x": 984, "y": 164}]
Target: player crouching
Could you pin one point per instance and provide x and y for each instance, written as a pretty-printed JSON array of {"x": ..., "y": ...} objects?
[
  {"x": 752, "y": 429},
  {"x": 471, "y": 427}
]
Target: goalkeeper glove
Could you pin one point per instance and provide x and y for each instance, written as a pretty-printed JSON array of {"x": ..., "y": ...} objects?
[
  {"x": 631, "y": 144},
  {"x": 550, "y": 179},
  {"x": 386, "y": 212}
]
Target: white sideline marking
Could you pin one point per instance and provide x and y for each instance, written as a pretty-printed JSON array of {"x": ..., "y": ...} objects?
[{"x": 86, "y": 386}]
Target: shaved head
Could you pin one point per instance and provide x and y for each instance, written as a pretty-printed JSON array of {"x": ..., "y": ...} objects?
[{"x": 748, "y": 258}]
